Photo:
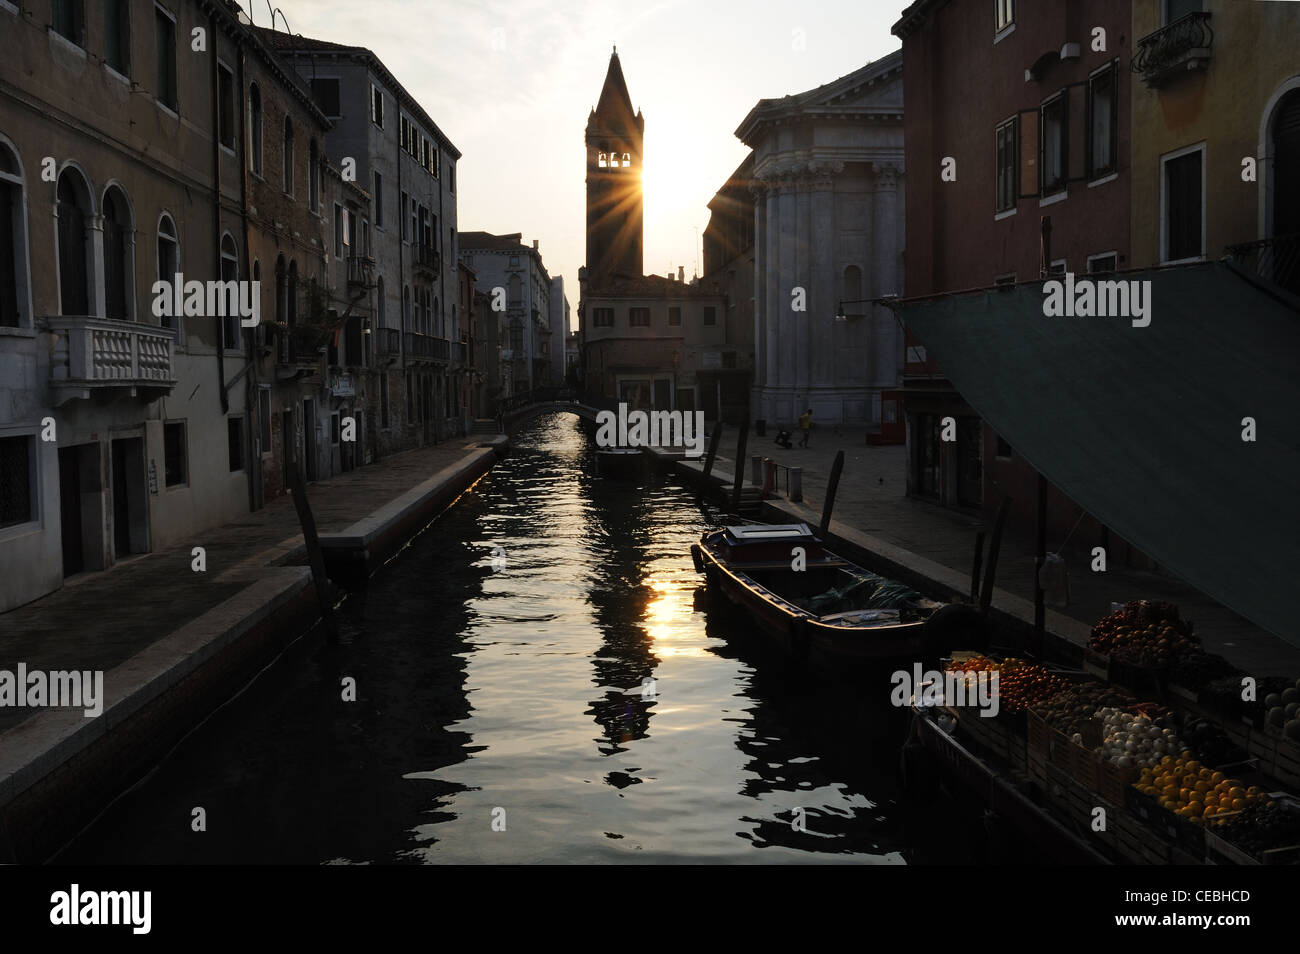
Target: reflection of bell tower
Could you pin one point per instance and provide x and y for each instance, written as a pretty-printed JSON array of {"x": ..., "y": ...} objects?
[{"x": 614, "y": 138}]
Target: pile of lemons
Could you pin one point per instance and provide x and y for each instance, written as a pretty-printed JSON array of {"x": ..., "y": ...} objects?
[{"x": 1193, "y": 791}]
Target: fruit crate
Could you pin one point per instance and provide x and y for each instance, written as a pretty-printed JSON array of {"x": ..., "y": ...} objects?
[
  {"x": 1085, "y": 769},
  {"x": 1286, "y": 763},
  {"x": 1096, "y": 664},
  {"x": 1221, "y": 851},
  {"x": 1111, "y": 780},
  {"x": 1071, "y": 801}
]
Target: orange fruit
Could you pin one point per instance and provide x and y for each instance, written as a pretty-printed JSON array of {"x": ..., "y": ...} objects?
[
  {"x": 1216, "y": 777},
  {"x": 1238, "y": 804}
]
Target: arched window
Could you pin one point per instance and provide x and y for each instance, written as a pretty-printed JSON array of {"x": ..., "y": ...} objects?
[
  {"x": 601, "y": 160},
  {"x": 1286, "y": 164},
  {"x": 230, "y": 273},
  {"x": 852, "y": 287},
  {"x": 291, "y": 299},
  {"x": 169, "y": 260},
  {"x": 288, "y": 155},
  {"x": 74, "y": 212},
  {"x": 281, "y": 293},
  {"x": 627, "y": 159},
  {"x": 313, "y": 177},
  {"x": 255, "y": 128},
  {"x": 13, "y": 241},
  {"x": 119, "y": 256}
]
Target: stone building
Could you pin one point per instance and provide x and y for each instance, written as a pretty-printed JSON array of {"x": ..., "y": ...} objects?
[
  {"x": 614, "y": 139},
  {"x": 122, "y": 429},
  {"x": 729, "y": 258},
  {"x": 558, "y": 316},
  {"x": 408, "y": 167},
  {"x": 828, "y": 228},
  {"x": 504, "y": 262}
]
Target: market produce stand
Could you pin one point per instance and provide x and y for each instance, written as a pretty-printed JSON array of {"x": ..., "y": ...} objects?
[{"x": 1091, "y": 770}]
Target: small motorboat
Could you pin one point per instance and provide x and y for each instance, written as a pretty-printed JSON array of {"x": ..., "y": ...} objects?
[
  {"x": 823, "y": 608},
  {"x": 620, "y": 463}
]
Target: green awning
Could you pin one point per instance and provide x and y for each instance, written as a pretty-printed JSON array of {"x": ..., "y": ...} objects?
[{"x": 1142, "y": 426}]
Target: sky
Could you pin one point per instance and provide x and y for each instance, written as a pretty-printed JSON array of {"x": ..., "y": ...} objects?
[{"x": 511, "y": 83}]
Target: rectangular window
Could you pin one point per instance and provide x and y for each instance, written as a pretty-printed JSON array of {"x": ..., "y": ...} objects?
[
  {"x": 349, "y": 231},
  {"x": 604, "y": 317},
  {"x": 401, "y": 215},
  {"x": 638, "y": 317},
  {"x": 338, "y": 230},
  {"x": 1052, "y": 145},
  {"x": 1184, "y": 213},
  {"x": 226, "y": 106},
  {"x": 1103, "y": 122},
  {"x": 1007, "y": 280},
  {"x": 402, "y": 125},
  {"x": 674, "y": 315},
  {"x": 451, "y": 177},
  {"x": 334, "y": 428},
  {"x": 1098, "y": 264},
  {"x": 1057, "y": 267},
  {"x": 1007, "y": 153},
  {"x": 1004, "y": 449},
  {"x": 377, "y": 106},
  {"x": 264, "y": 420},
  {"x": 174, "y": 468},
  {"x": 379, "y": 201},
  {"x": 165, "y": 40},
  {"x": 17, "y": 493},
  {"x": 68, "y": 20},
  {"x": 326, "y": 94},
  {"x": 710, "y": 315},
  {"x": 1004, "y": 14},
  {"x": 1177, "y": 9},
  {"x": 117, "y": 35},
  {"x": 235, "y": 442}
]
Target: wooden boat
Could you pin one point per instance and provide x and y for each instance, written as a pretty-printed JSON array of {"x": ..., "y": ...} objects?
[
  {"x": 830, "y": 610},
  {"x": 621, "y": 463}
]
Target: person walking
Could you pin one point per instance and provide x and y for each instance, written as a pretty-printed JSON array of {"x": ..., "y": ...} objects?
[{"x": 805, "y": 425}]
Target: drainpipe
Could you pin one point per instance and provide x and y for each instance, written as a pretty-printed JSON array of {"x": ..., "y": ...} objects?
[
  {"x": 216, "y": 202},
  {"x": 252, "y": 392}
]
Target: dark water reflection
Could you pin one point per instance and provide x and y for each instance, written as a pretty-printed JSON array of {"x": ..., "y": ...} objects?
[{"x": 586, "y": 692}]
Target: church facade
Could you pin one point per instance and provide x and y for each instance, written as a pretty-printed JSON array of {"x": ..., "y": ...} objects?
[{"x": 827, "y": 183}]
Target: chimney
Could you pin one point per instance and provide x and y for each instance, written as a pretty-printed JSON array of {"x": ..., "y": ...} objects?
[
  {"x": 681, "y": 273},
  {"x": 534, "y": 244}
]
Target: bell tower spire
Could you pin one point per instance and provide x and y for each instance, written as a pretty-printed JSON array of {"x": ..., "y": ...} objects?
[{"x": 614, "y": 138}]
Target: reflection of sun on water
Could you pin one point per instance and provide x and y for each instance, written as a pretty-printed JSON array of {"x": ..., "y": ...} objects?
[{"x": 668, "y": 609}]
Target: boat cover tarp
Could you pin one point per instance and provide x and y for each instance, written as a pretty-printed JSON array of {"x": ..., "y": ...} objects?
[{"x": 1142, "y": 426}]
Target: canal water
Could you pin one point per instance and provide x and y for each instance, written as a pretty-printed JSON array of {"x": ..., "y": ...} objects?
[{"x": 540, "y": 676}]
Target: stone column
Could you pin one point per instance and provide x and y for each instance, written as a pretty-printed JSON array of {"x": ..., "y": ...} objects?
[
  {"x": 759, "y": 191},
  {"x": 825, "y": 292},
  {"x": 803, "y": 379},
  {"x": 786, "y": 265},
  {"x": 886, "y": 229},
  {"x": 771, "y": 278}
]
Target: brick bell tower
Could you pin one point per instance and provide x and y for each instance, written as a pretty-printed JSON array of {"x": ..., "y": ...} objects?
[{"x": 614, "y": 202}]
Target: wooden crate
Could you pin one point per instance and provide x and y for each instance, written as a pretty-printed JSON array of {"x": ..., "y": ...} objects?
[
  {"x": 1112, "y": 780},
  {"x": 1085, "y": 769},
  {"x": 1286, "y": 763}
]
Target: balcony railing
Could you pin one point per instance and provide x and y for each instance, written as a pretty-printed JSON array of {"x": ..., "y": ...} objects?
[
  {"x": 1177, "y": 48},
  {"x": 1274, "y": 259},
  {"x": 427, "y": 260},
  {"x": 93, "y": 354},
  {"x": 419, "y": 346},
  {"x": 361, "y": 271},
  {"x": 388, "y": 342}
]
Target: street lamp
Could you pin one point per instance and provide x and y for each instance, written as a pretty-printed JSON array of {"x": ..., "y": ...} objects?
[{"x": 839, "y": 311}]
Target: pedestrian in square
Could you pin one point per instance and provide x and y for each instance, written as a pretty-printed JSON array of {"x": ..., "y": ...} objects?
[{"x": 805, "y": 425}]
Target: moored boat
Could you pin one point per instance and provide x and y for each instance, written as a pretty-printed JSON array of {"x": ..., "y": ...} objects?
[
  {"x": 618, "y": 462},
  {"x": 821, "y": 607}
]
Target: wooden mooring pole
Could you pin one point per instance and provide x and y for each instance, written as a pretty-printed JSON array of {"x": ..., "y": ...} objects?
[
  {"x": 714, "y": 439},
  {"x": 831, "y": 487},
  {"x": 740, "y": 466},
  {"x": 315, "y": 556}
]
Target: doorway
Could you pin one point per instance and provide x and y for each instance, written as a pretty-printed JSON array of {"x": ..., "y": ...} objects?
[
  {"x": 80, "y": 508},
  {"x": 130, "y": 498}
]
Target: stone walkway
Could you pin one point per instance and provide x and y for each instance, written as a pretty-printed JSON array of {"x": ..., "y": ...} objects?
[
  {"x": 872, "y": 498},
  {"x": 99, "y": 620}
]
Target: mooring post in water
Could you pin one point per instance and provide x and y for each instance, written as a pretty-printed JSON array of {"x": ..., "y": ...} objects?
[
  {"x": 995, "y": 544},
  {"x": 324, "y": 589},
  {"x": 831, "y": 486},
  {"x": 740, "y": 465},
  {"x": 795, "y": 487},
  {"x": 714, "y": 439},
  {"x": 975, "y": 570}
]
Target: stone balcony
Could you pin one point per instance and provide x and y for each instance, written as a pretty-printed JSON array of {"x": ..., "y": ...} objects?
[{"x": 109, "y": 357}]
